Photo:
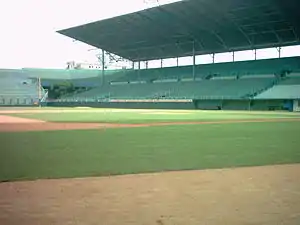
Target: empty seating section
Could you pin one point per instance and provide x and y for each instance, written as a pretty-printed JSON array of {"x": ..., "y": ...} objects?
[
  {"x": 117, "y": 91},
  {"x": 66, "y": 74},
  {"x": 206, "y": 89},
  {"x": 243, "y": 68},
  {"x": 294, "y": 74},
  {"x": 82, "y": 82},
  {"x": 236, "y": 80},
  {"x": 288, "y": 88},
  {"x": 281, "y": 92},
  {"x": 79, "y": 78},
  {"x": 17, "y": 89},
  {"x": 222, "y": 89},
  {"x": 290, "y": 81},
  {"x": 247, "y": 79}
]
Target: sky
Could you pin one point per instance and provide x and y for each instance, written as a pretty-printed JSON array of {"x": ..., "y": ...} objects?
[
  {"x": 29, "y": 40},
  {"x": 28, "y": 29}
]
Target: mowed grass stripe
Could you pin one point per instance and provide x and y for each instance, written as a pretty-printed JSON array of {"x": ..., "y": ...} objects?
[
  {"x": 136, "y": 117},
  {"x": 58, "y": 154}
]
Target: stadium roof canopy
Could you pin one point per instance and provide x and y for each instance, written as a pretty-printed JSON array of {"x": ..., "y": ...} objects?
[{"x": 207, "y": 26}]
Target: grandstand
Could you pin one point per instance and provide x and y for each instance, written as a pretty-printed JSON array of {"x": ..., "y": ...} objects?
[
  {"x": 16, "y": 88},
  {"x": 191, "y": 28},
  {"x": 237, "y": 85},
  {"x": 30, "y": 86},
  {"x": 237, "y": 80},
  {"x": 231, "y": 69},
  {"x": 187, "y": 29}
]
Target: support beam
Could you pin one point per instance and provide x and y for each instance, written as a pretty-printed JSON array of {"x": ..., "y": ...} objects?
[
  {"x": 177, "y": 61},
  {"x": 213, "y": 57},
  {"x": 139, "y": 69},
  {"x": 279, "y": 52},
  {"x": 161, "y": 63},
  {"x": 255, "y": 54},
  {"x": 103, "y": 66},
  {"x": 133, "y": 65},
  {"x": 233, "y": 59},
  {"x": 146, "y": 64},
  {"x": 194, "y": 62},
  {"x": 39, "y": 86}
]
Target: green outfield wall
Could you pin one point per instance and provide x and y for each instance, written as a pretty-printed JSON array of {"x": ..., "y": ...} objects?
[{"x": 265, "y": 105}]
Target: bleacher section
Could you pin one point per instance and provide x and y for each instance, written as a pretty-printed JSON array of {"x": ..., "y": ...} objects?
[
  {"x": 281, "y": 92},
  {"x": 286, "y": 89},
  {"x": 17, "y": 89},
  {"x": 234, "y": 69},
  {"x": 81, "y": 82},
  {"x": 290, "y": 81},
  {"x": 206, "y": 89},
  {"x": 79, "y": 78},
  {"x": 233, "y": 80},
  {"x": 261, "y": 79}
]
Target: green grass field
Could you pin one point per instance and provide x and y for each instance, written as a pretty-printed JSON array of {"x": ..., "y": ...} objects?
[
  {"x": 146, "y": 116},
  {"x": 79, "y": 153}
]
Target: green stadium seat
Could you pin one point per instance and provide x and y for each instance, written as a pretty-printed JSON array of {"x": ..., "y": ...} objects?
[{"x": 281, "y": 92}]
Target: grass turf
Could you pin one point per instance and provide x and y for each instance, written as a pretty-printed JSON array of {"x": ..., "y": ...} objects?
[
  {"x": 149, "y": 116},
  {"x": 56, "y": 154}
]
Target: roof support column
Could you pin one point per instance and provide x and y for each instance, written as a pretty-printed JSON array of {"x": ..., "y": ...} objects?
[
  {"x": 146, "y": 64},
  {"x": 103, "y": 65},
  {"x": 161, "y": 63},
  {"x": 133, "y": 65},
  {"x": 279, "y": 52},
  {"x": 255, "y": 54},
  {"x": 177, "y": 61},
  {"x": 233, "y": 59},
  {"x": 194, "y": 61},
  {"x": 39, "y": 91},
  {"x": 139, "y": 69},
  {"x": 213, "y": 57}
]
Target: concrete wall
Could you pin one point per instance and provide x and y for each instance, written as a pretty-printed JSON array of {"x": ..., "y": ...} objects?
[
  {"x": 129, "y": 105},
  {"x": 296, "y": 106},
  {"x": 266, "y": 105}
]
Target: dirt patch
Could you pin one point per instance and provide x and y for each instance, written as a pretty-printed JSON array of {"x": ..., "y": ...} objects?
[
  {"x": 25, "y": 127},
  {"x": 259, "y": 195},
  {"x": 15, "y": 124},
  {"x": 70, "y": 110},
  {"x": 165, "y": 113},
  {"x": 19, "y": 127},
  {"x": 11, "y": 120}
]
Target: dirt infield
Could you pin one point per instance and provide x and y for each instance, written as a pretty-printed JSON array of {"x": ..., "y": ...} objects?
[
  {"x": 259, "y": 195},
  {"x": 13, "y": 120},
  {"x": 165, "y": 113},
  {"x": 70, "y": 110},
  {"x": 16, "y": 124}
]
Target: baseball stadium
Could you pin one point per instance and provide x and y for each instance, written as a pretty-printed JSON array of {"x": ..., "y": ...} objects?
[{"x": 203, "y": 143}]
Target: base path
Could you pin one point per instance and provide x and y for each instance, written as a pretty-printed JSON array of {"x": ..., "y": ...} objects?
[
  {"x": 259, "y": 195},
  {"x": 16, "y": 124},
  {"x": 10, "y": 119}
]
